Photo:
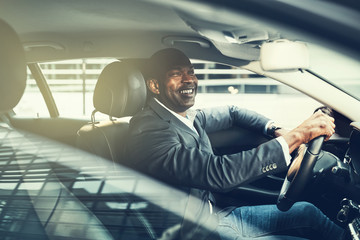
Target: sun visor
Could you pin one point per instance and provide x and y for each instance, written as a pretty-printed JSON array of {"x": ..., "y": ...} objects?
[
  {"x": 284, "y": 56},
  {"x": 240, "y": 41},
  {"x": 232, "y": 45}
]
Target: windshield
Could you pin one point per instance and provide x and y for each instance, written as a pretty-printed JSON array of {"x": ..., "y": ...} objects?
[{"x": 338, "y": 69}]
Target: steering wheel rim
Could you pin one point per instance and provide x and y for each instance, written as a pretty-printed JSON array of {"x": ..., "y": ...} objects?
[{"x": 291, "y": 190}]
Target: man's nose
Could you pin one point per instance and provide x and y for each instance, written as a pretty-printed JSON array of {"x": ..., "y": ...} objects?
[{"x": 187, "y": 77}]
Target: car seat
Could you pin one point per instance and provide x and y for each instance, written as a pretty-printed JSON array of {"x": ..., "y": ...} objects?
[
  {"x": 12, "y": 68},
  {"x": 119, "y": 93}
]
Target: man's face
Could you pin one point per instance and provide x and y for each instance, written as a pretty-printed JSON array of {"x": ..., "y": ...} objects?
[{"x": 179, "y": 88}]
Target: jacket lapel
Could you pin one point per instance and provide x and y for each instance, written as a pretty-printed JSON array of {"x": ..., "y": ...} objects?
[{"x": 169, "y": 117}]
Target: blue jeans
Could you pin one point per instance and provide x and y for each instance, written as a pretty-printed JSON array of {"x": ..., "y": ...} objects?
[{"x": 266, "y": 222}]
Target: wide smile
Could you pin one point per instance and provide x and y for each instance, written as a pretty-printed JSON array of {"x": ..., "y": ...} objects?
[{"x": 187, "y": 91}]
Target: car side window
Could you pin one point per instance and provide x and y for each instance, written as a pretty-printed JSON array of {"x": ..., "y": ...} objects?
[
  {"x": 71, "y": 83},
  {"x": 32, "y": 103}
]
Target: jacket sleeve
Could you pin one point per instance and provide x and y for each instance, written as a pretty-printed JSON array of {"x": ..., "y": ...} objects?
[
  {"x": 219, "y": 118},
  {"x": 156, "y": 148}
]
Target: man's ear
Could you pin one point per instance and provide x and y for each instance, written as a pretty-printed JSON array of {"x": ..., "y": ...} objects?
[{"x": 153, "y": 85}]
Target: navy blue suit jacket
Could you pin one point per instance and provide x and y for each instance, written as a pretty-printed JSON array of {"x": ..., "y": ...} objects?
[{"x": 162, "y": 146}]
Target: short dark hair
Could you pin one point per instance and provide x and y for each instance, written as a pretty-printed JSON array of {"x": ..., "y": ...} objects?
[{"x": 163, "y": 60}]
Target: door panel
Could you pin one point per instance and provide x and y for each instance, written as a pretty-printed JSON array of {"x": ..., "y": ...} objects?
[{"x": 59, "y": 129}]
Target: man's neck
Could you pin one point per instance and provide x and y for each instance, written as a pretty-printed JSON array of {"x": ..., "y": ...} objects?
[{"x": 183, "y": 114}]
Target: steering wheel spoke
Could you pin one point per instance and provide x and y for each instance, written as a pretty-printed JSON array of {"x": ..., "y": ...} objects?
[{"x": 294, "y": 185}]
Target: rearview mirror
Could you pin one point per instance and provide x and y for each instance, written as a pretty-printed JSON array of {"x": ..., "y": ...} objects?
[{"x": 284, "y": 56}]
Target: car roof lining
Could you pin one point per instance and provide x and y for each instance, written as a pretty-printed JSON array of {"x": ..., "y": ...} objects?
[
  {"x": 133, "y": 29},
  {"x": 103, "y": 28}
]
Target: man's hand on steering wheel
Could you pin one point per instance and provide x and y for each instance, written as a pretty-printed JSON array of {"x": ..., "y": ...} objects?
[
  {"x": 314, "y": 131},
  {"x": 319, "y": 124}
]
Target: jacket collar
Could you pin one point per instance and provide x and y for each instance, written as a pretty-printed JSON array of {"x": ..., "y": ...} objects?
[
  {"x": 160, "y": 110},
  {"x": 169, "y": 117}
]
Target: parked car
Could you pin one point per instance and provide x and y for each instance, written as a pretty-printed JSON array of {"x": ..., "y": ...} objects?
[{"x": 61, "y": 167}]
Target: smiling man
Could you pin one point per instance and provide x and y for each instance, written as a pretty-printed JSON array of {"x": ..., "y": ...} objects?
[
  {"x": 168, "y": 140},
  {"x": 177, "y": 89}
]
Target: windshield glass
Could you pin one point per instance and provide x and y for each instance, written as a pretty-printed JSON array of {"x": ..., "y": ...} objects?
[{"x": 338, "y": 69}]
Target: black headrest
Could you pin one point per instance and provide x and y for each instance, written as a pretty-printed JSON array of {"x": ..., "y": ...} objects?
[
  {"x": 120, "y": 90},
  {"x": 12, "y": 68}
]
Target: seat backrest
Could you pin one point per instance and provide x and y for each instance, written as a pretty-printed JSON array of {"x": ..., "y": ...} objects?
[
  {"x": 12, "y": 68},
  {"x": 120, "y": 92}
]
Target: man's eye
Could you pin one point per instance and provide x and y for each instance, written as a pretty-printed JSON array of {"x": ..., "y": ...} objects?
[
  {"x": 175, "y": 74},
  {"x": 191, "y": 72}
]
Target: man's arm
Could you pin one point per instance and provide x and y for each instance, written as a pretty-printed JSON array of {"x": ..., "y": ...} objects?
[
  {"x": 219, "y": 118},
  {"x": 318, "y": 124}
]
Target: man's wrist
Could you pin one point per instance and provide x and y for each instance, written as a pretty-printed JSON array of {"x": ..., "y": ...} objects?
[
  {"x": 294, "y": 139},
  {"x": 271, "y": 130}
]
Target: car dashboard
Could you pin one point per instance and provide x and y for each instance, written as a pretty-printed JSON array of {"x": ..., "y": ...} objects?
[
  {"x": 350, "y": 208},
  {"x": 353, "y": 153}
]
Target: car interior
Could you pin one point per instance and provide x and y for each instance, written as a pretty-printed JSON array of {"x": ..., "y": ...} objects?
[
  {"x": 120, "y": 92},
  {"x": 57, "y": 208}
]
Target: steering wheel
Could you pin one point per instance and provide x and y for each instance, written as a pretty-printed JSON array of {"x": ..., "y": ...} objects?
[{"x": 291, "y": 189}]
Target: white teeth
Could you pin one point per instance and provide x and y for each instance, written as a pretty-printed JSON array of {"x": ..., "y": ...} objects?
[{"x": 189, "y": 91}]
